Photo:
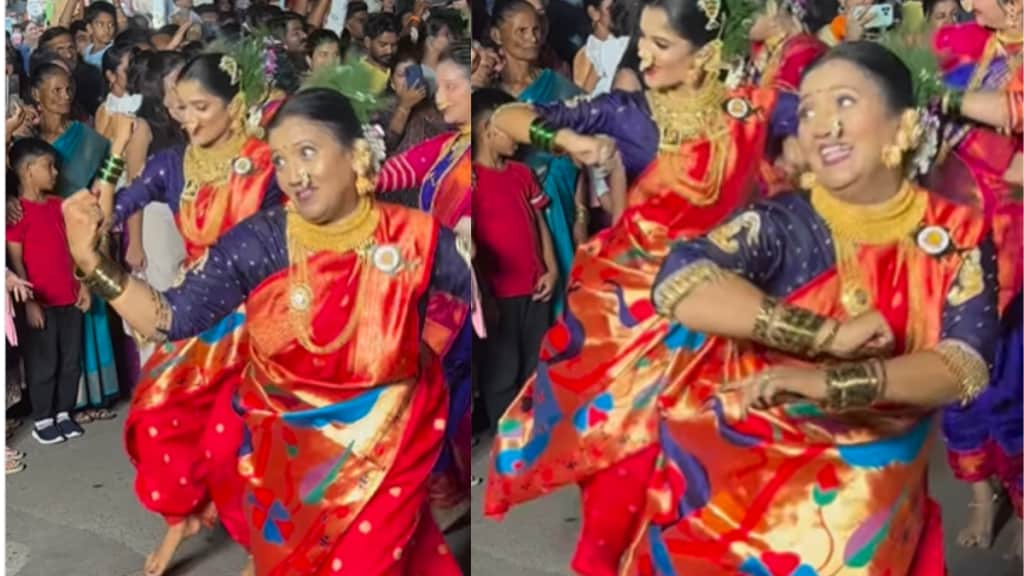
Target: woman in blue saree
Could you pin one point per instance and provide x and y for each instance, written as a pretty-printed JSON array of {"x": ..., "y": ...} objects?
[
  {"x": 523, "y": 78},
  {"x": 81, "y": 151}
]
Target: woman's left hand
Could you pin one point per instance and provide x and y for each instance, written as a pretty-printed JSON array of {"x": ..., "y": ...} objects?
[
  {"x": 82, "y": 220},
  {"x": 773, "y": 387}
]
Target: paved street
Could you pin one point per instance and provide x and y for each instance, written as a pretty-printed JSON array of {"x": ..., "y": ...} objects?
[
  {"x": 73, "y": 513},
  {"x": 538, "y": 539}
]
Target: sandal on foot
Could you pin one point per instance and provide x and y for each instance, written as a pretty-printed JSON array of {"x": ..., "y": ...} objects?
[
  {"x": 103, "y": 414},
  {"x": 15, "y": 454},
  {"x": 14, "y": 466},
  {"x": 83, "y": 417}
]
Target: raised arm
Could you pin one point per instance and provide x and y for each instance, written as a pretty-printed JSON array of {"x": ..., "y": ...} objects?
[{"x": 215, "y": 286}]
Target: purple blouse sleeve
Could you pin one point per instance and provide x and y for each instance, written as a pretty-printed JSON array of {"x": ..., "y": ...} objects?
[
  {"x": 161, "y": 173},
  {"x": 778, "y": 245},
  {"x": 975, "y": 321},
  {"x": 621, "y": 115},
  {"x": 248, "y": 254}
]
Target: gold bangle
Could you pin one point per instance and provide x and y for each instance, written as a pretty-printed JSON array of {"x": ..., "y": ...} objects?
[
  {"x": 674, "y": 289},
  {"x": 108, "y": 280},
  {"x": 764, "y": 319},
  {"x": 787, "y": 328},
  {"x": 822, "y": 347},
  {"x": 970, "y": 369},
  {"x": 853, "y": 386}
]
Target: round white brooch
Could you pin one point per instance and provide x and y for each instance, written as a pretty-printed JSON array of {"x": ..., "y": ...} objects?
[
  {"x": 738, "y": 108},
  {"x": 387, "y": 258},
  {"x": 934, "y": 240},
  {"x": 242, "y": 166},
  {"x": 300, "y": 298}
]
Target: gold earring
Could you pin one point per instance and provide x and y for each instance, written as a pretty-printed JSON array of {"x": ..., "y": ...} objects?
[
  {"x": 808, "y": 180},
  {"x": 361, "y": 165},
  {"x": 967, "y": 5},
  {"x": 892, "y": 156}
]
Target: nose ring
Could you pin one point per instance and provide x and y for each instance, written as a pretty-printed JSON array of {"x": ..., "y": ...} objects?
[
  {"x": 307, "y": 180},
  {"x": 836, "y": 130}
]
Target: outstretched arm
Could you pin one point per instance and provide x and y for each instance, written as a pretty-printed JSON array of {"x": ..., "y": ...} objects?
[{"x": 215, "y": 286}]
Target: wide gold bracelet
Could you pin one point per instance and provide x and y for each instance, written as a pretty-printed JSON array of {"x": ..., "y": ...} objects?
[
  {"x": 674, "y": 289},
  {"x": 854, "y": 385},
  {"x": 108, "y": 280},
  {"x": 788, "y": 328},
  {"x": 968, "y": 366}
]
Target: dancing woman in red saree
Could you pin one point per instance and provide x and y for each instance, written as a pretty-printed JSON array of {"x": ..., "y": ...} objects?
[
  {"x": 588, "y": 416},
  {"x": 982, "y": 63},
  {"x": 441, "y": 169},
  {"x": 343, "y": 398},
  {"x": 182, "y": 434},
  {"x": 799, "y": 441}
]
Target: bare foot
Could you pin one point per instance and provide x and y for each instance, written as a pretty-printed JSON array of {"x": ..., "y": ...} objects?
[
  {"x": 981, "y": 515},
  {"x": 209, "y": 515},
  {"x": 250, "y": 568},
  {"x": 160, "y": 559}
]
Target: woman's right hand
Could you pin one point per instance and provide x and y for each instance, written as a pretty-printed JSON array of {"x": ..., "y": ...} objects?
[
  {"x": 485, "y": 67},
  {"x": 588, "y": 150},
  {"x": 866, "y": 336},
  {"x": 82, "y": 220}
]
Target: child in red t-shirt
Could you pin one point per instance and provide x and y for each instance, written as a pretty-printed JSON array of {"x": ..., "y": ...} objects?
[
  {"x": 38, "y": 249},
  {"x": 514, "y": 255}
]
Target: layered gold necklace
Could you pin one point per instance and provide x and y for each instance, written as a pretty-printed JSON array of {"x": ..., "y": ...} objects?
[
  {"x": 212, "y": 168},
  {"x": 688, "y": 118},
  {"x": 353, "y": 234},
  {"x": 853, "y": 226}
]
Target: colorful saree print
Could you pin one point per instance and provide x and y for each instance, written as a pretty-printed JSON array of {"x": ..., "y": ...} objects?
[
  {"x": 182, "y": 434},
  {"x": 593, "y": 402},
  {"x": 343, "y": 423},
  {"x": 796, "y": 489},
  {"x": 984, "y": 439}
]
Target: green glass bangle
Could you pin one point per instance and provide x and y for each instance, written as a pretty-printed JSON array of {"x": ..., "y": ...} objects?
[{"x": 542, "y": 136}]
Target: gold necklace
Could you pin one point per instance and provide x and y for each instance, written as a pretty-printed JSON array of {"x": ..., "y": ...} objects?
[
  {"x": 681, "y": 118},
  {"x": 209, "y": 167},
  {"x": 852, "y": 225},
  {"x": 691, "y": 119},
  {"x": 354, "y": 233}
]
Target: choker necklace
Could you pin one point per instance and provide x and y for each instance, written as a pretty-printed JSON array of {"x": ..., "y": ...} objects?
[{"x": 354, "y": 233}]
